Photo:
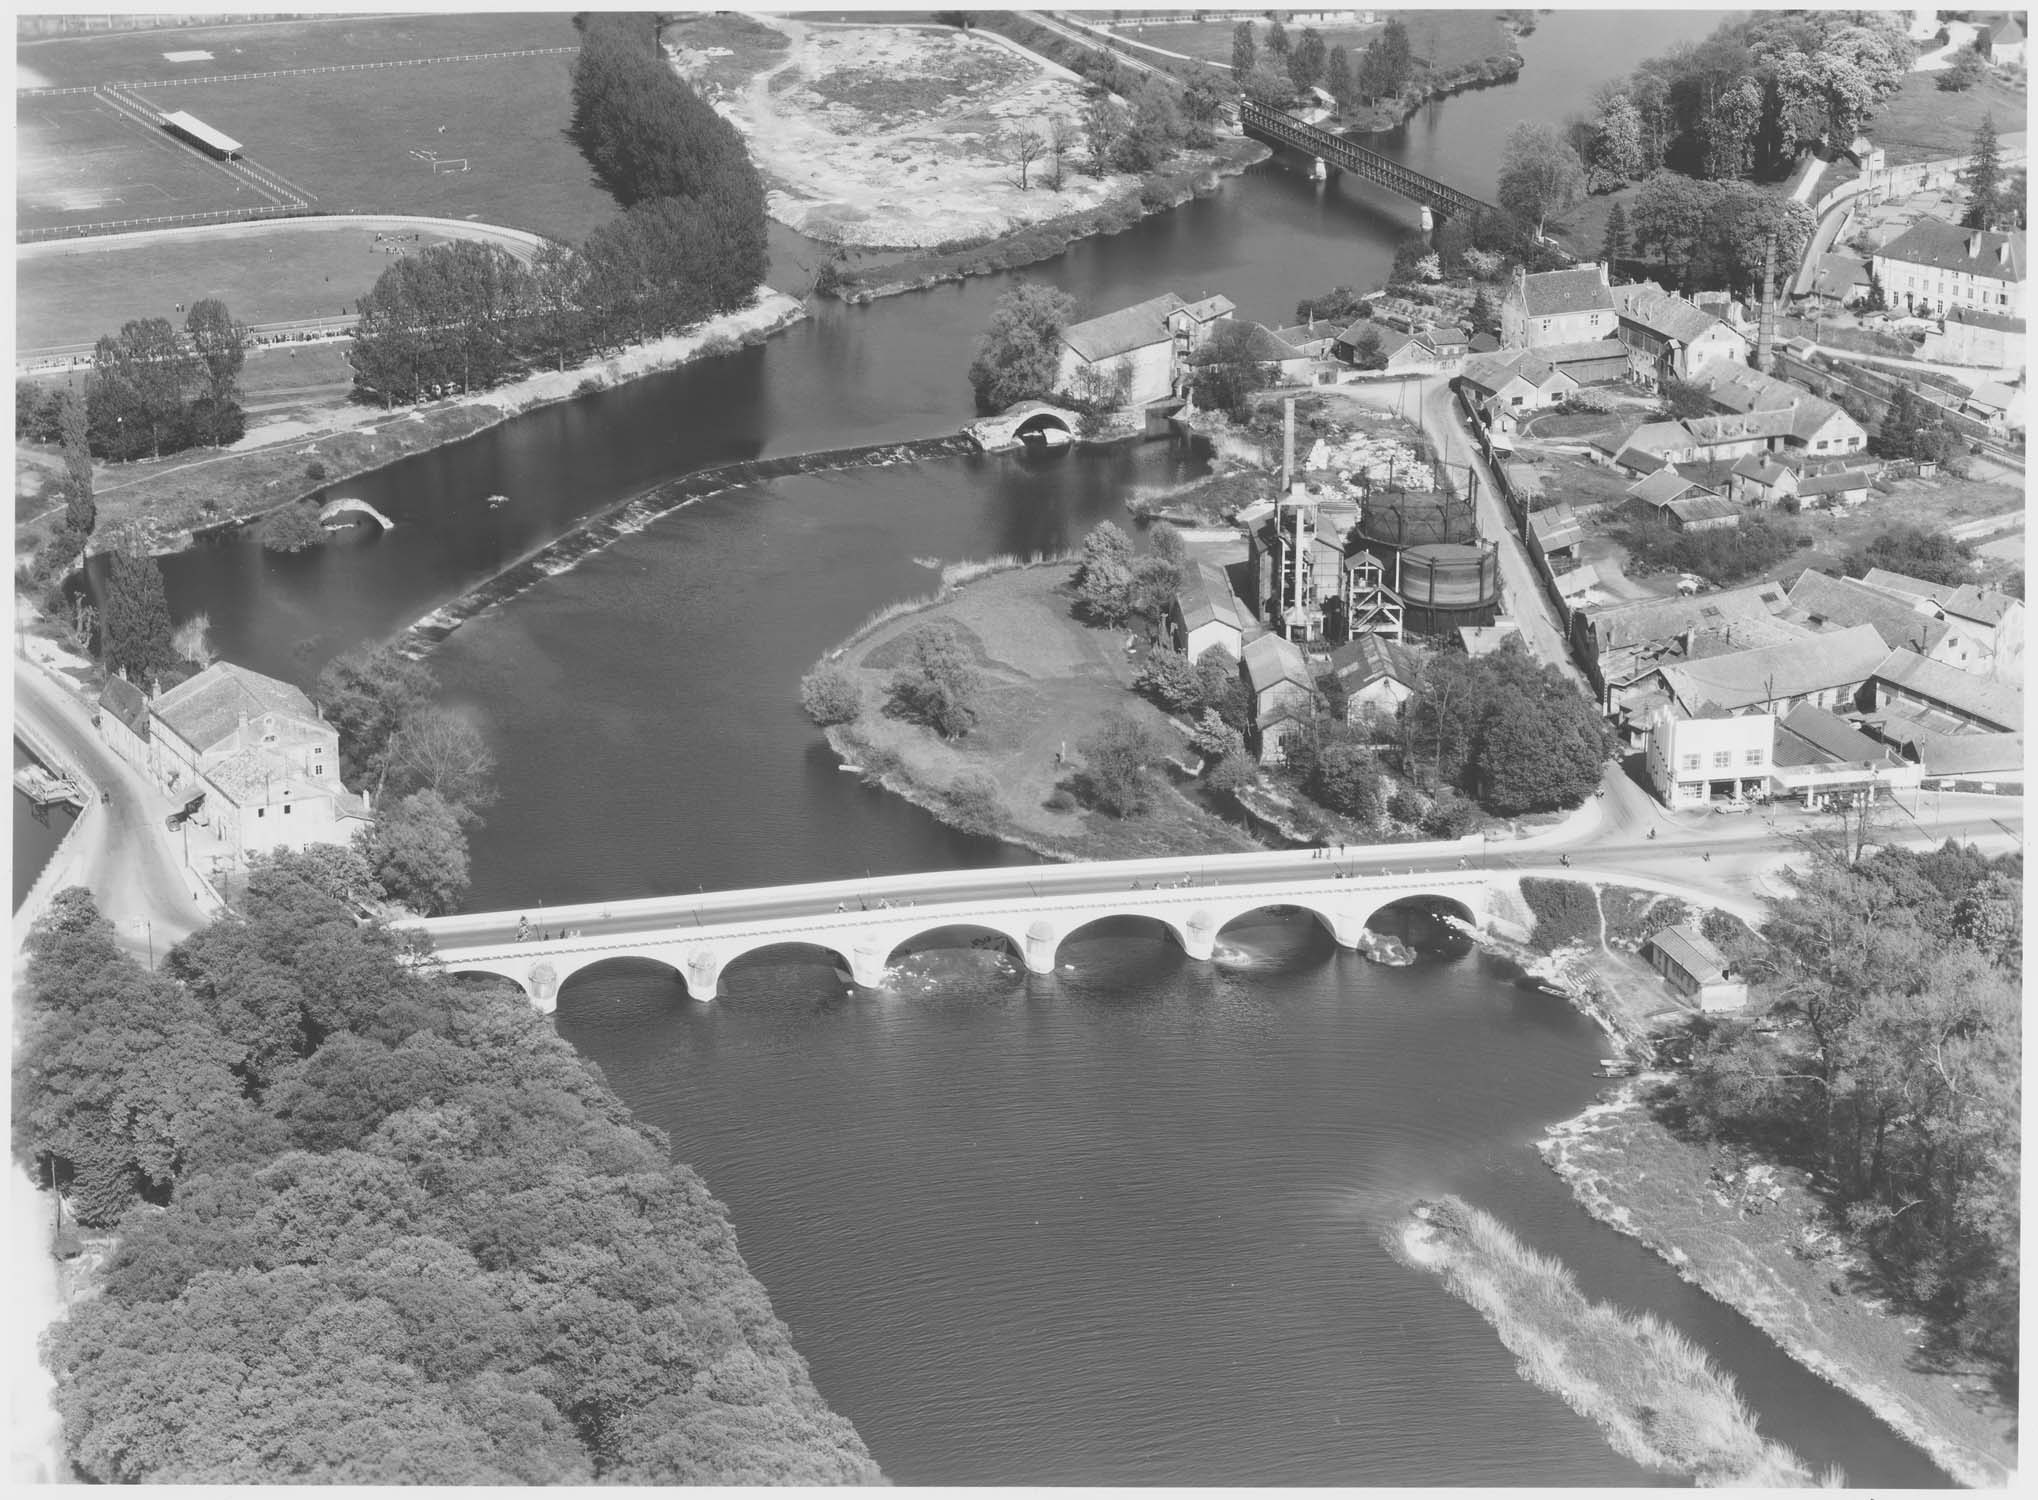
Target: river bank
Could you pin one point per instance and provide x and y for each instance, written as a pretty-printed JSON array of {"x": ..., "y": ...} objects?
[
  {"x": 1159, "y": 192},
  {"x": 1756, "y": 1237},
  {"x": 166, "y": 510}
]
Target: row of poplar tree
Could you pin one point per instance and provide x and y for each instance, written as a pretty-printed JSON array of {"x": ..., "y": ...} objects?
[{"x": 690, "y": 242}]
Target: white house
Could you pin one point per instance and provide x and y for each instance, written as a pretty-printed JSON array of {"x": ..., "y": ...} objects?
[
  {"x": 1152, "y": 340},
  {"x": 1276, "y": 677},
  {"x": 1934, "y": 267},
  {"x": 1206, "y": 615},
  {"x": 1516, "y": 382},
  {"x": 1557, "y": 307},
  {"x": 267, "y": 764},
  {"x": 1692, "y": 759},
  {"x": 1674, "y": 337}
]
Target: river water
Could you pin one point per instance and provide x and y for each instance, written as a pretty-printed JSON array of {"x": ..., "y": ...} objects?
[
  {"x": 1118, "y": 1224},
  {"x": 37, "y": 832}
]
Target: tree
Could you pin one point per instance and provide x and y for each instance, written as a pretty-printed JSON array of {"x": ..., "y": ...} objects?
[
  {"x": 1225, "y": 372},
  {"x": 830, "y": 696},
  {"x": 1105, "y": 122},
  {"x": 417, "y": 850},
  {"x": 1537, "y": 754},
  {"x": 1966, "y": 70},
  {"x": 1307, "y": 61},
  {"x": 1984, "y": 176},
  {"x": 1277, "y": 42},
  {"x": 291, "y": 528},
  {"x": 1203, "y": 103},
  {"x": 436, "y": 750},
  {"x": 1339, "y": 78},
  {"x": 367, "y": 694},
  {"x": 192, "y": 640},
  {"x": 136, "y": 639},
  {"x": 1021, "y": 147},
  {"x": 1345, "y": 777},
  {"x": 1682, "y": 400},
  {"x": 1339, "y": 305},
  {"x": 1019, "y": 355},
  {"x": 1245, "y": 52},
  {"x": 1117, "y": 773},
  {"x": 1539, "y": 174},
  {"x": 1730, "y": 127},
  {"x": 1367, "y": 353},
  {"x": 1103, "y": 579},
  {"x": 1481, "y": 316},
  {"x": 1167, "y": 677},
  {"x": 1061, "y": 139},
  {"x": 220, "y": 346},
  {"x": 1614, "y": 155},
  {"x": 1155, "y": 582},
  {"x": 1265, "y": 86},
  {"x": 1935, "y": 556},
  {"x": 939, "y": 686},
  {"x": 134, "y": 399},
  {"x": 81, "y": 514}
]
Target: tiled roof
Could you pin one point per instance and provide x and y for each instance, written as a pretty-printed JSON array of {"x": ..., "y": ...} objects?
[
  {"x": 1839, "y": 274},
  {"x": 1980, "y": 699},
  {"x": 1979, "y": 319},
  {"x": 1742, "y": 389},
  {"x": 1662, "y": 312},
  {"x": 1586, "y": 351},
  {"x": 1274, "y": 659},
  {"x": 1266, "y": 347},
  {"x": 1907, "y": 586},
  {"x": 1822, "y": 739},
  {"x": 127, "y": 703},
  {"x": 1555, "y": 527},
  {"x": 206, "y": 709},
  {"x": 1622, "y": 625},
  {"x": 1482, "y": 342},
  {"x": 1368, "y": 659},
  {"x": 1995, "y": 254},
  {"x": 1760, "y": 467},
  {"x": 1983, "y": 606},
  {"x": 1821, "y": 599},
  {"x": 1662, "y": 487},
  {"x": 1970, "y": 754},
  {"x": 1392, "y": 340},
  {"x": 1210, "y": 307},
  {"x": 1703, "y": 507},
  {"x": 1122, "y": 331},
  {"x": 1641, "y": 460},
  {"x": 1205, "y": 597},
  {"x": 1660, "y": 437},
  {"x": 1836, "y": 483},
  {"x": 1556, "y": 292},
  {"x": 1744, "y": 679},
  {"x": 1689, "y": 949},
  {"x": 1710, "y": 432}
]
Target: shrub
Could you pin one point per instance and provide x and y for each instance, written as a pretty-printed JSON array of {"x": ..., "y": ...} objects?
[
  {"x": 1061, "y": 799},
  {"x": 939, "y": 685},
  {"x": 291, "y": 529},
  {"x": 830, "y": 696},
  {"x": 974, "y": 805},
  {"x": 1566, "y": 911},
  {"x": 1155, "y": 194},
  {"x": 315, "y": 472}
]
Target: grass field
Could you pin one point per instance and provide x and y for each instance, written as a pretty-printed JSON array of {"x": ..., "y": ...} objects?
[
  {"x": 137, "y": 56},
  {"x": 300, "y": 269},
  {"x": 349, "y": 142},
  {"x": 77, "y": 162},
  {"x": 1920, "y": 123}
]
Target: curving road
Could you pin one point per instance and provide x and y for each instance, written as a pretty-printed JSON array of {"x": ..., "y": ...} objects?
[{"x": 124, "y": 855}]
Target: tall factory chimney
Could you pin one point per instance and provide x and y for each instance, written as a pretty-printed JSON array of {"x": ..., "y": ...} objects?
[
  {"x": 1765, "y": 329},
  {"x": 1288, "y": 445}
]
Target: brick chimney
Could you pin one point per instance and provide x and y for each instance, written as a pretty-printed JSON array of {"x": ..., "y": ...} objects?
[{"x": 1974, "y": 245}]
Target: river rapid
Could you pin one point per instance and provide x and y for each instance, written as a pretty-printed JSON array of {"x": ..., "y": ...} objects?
[{"x": 1119, "y": 1224}]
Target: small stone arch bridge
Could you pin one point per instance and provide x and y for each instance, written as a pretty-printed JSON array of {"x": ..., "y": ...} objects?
[
  {"x": 333, "y": 510},
  {"x": 1034, "y": 908},
  {"x": 1023, "y": 419}
]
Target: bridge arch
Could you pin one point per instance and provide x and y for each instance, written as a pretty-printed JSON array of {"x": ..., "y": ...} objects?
[
  {"x": 347, "y": 506},
  {"x": 1425, "y": 914},
  {"x": 1332, "y": 922},
  {"x": 787, "y": 949},
  {"x": 1193, "y": 932}
]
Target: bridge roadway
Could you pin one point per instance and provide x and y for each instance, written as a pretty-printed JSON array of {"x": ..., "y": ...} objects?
[
  {"x": 864, "y": 922},
  {"x": 1284, "y": 129}
]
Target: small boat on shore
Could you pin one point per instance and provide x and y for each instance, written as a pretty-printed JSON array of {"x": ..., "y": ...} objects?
[{"x": 495, "y": 500}]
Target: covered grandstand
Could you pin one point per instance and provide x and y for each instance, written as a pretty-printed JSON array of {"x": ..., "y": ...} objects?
[{"x": 194, "y": 130}]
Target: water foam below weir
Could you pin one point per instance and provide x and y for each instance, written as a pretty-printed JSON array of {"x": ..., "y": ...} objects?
[{"x": 629, "y": 516}]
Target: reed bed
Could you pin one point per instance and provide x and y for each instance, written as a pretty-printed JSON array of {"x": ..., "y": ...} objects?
[{"x": 1655, "y": 1394}]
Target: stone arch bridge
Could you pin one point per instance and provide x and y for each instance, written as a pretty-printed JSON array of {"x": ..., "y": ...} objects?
[
  {"x": 863, "y": 923},
  {"x": 335, "y": 510}
]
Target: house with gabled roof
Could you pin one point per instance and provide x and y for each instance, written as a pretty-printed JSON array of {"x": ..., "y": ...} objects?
[
  {"x": 1825, "y": 602},
  {"x": 1822, "y": 759},
  {"x": 1825, "y": 670},
  {"x": 1557, "y": 307},
  {"x": 1672, "y": 337},
  {"x": 1758, "y": 479},
  {"x": 1937, "y": 696},
  {"x": 1985, "y": 627},
  {"x": 1283, "y": 694},
  {"x": 1515, "y": 381},
  {"x": 258, "y": 751},
  {"x": 1839, "y": 487},
  {"x": 1694, "y": 968},
  {"x": 1816, "y": 426},
  {"x": 1377, "y": 675},
  {"x": 1206, "y": 615},
  {"x": 1933, "y": 267},
  {"x": 1151, "y": 341}
]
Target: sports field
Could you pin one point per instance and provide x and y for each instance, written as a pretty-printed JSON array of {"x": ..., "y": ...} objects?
[
  {"x": 283, "y": 271},
  {"x": 77, "y": 162},
  {"x": 140, "y": 56},
  {"x": 348, "y": 139},
  {"x": 358, "y": 133}
]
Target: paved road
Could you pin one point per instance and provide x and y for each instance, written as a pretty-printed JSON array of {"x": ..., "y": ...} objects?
[{"x": 127, "y": 861}]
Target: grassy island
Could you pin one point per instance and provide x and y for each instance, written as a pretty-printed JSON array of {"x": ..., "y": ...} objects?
[{"x": 1654, "y": 1394}]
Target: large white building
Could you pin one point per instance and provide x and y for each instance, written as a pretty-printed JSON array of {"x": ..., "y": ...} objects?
[
  {"x": 1150, "y": 341},
  {"x": 1558, "y": 307},
  {"x": 1934, "y": 267},
  {"x": 1693, "y": 760},
  {"x": 266, "y": 764}
]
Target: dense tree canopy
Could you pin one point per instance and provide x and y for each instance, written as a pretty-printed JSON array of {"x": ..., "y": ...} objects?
[
  {"x": 395, "y": 1231},
  {"x": 1514, "y": 734},
  {"x": 1540, "y": 174},
  {"x": 157, "y": 389},
  {"x": 135, "y": 628},
  {"x": 1019, "y": 355},
  {"x": 1895, "y": 1071},
  {"x": 939, "y": 685},
  {"x": 1935, "y": 556},
  {"x": 1226, "y": 374}
]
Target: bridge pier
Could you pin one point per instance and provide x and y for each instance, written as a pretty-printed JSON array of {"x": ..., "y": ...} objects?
[
  {"x": 867, "y": 964},
  {"x": 1042, "y": 942},
  {"x": 1199, "y": 935}
]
